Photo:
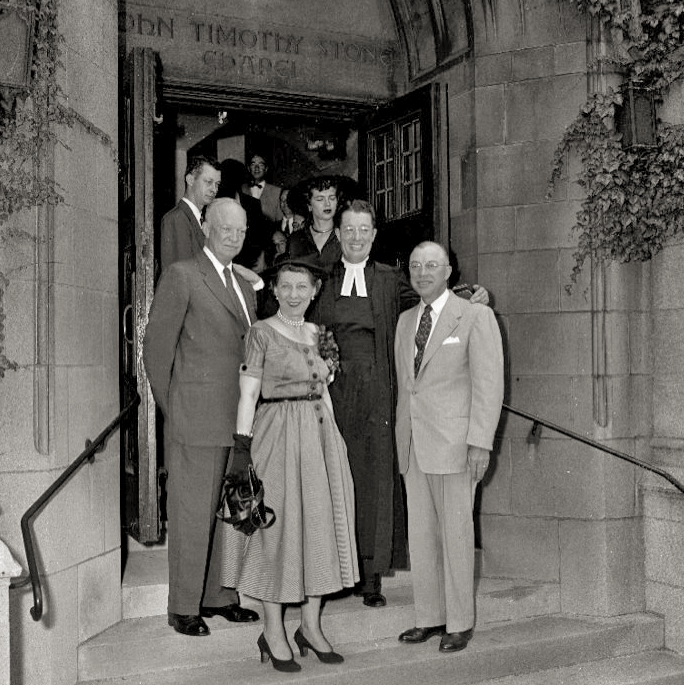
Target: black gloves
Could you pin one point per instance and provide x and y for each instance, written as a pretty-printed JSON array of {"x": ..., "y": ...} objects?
[{"x": 240, "y": 458}]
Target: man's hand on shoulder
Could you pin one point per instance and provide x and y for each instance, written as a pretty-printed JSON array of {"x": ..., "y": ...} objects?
[
  {"x": 480, "y": 295},
  {"x": 252, "y": 277}
]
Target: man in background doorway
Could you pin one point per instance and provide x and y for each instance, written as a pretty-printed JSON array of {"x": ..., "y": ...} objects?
[
  {"x": 267, "y": 193},
  {"x": 181, "y": 227}
]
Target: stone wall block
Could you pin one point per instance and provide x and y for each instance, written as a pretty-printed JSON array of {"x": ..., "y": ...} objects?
[
  {"x": 516, "y": 547},
  {"x": 533, "y": 281},
  {"x": 77, "y": 180},
  {"x": 85, "y": 30},
  {"x": 562, "y": 478},
  {"x": 46, "y": 651},
  {"x": 18, "y": 491},
  {"x": 66, "y": 531},
  {"x": 510, "y": 26},
  {"x": 628, "y": 286},
  {"x": 547, "y": 344},
  {"x": 16, "y": 424},
  {"x": 640, "y": 339},
  {"x": 92, "y": 405},
  {"x": 490, "y": 115},
  {"x": 107, "y": 177},
  {"x": 95, "y": 237},
  {"x": 544, "y": 226},
  {"x": 19, "y": 309},
  {"x": 664, "y": 551},
  {"x": 668, "y": 400},
  {"x": 602, "y": 567},
  {"x": 66, "y": 226},
  {"x": 617, "y": 342},
  {"x": 110, "y": 344},
  {"x": 99, "y": 583},
  {"x": 533, "y": 63},
  {"x": 668, "y": 343},
  {"x": 551, "y": 397},
  {"x": 495, "y": 491},
  {"x": 496, "y": 229},
  {"x": 514, "y": 174},
  {"x": 570, "y": 58},
  {"x": 579, "y": 297},
  {"x": 662, "y": 505},
  {"x": 462, "y": 130},
  {"x": 629, "y": 405},
  {"x": 540, "y": 109},
  {"x": 668, "y": 285},
  {"x": 492, "y": 69},
  {"x": 493, "y": 272},
  {"x": 78, "y": 326},
  {"x": 668, "y": 601}
]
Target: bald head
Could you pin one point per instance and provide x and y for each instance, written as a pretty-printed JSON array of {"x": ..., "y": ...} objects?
[
  {"x": 224, "y": 228},
  {"x": 429, "y": 270}
]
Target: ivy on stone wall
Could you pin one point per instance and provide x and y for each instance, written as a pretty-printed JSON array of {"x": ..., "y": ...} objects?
[
  {"x": 31, "y": 119},
  {"x": 634, "y": 198}
]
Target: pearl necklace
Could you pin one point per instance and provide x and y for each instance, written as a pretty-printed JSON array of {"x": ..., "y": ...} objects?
[{"x": 297, "y": 323}]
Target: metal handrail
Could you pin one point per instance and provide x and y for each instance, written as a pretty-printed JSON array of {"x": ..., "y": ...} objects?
[
  {"x": 535, "y": 435},
  {"x": 92, "y": 448}
]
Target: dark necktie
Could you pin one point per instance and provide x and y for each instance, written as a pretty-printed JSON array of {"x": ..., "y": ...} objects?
[
  {"x": 232, "y": 293},
  {"x": 422, "y": 335}
]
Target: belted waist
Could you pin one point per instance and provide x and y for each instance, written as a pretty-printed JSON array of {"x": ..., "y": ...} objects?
[{"x": 308, "y": 398}]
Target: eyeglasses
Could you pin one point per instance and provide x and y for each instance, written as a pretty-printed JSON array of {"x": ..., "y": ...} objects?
[
  {"x": 429, "y": 266},
  {"x": 350, "y": 231}
]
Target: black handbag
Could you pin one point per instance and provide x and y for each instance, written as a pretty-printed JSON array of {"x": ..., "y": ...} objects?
[{"x": 242, "y": 504}]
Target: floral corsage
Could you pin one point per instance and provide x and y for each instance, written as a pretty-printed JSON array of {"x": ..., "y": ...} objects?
[{"x": 328, "y": 349}]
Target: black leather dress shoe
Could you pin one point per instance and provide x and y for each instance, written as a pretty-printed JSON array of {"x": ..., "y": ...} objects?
[
  {"x": 421, "y": 634},
  {"x": 374, "y": 599},
  {"x": 455, "y": 642},
  {"x": 189, "y": 624},
  {"x": 232, "y": 612}
]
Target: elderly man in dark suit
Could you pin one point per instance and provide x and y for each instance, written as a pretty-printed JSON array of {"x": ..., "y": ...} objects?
[
  {"x": 449, "y": 363},
  {"x": 192, "y": 352},
  {"x": 181, "y": 227}
]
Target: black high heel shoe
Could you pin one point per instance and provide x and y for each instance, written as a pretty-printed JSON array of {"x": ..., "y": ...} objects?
[
  {"x": 287, "y": 666},
  {"x": 304, "y": 646}
]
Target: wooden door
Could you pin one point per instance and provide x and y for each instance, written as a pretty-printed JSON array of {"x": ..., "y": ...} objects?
[
  {"x": 399, "y": 168},
  {"x": 140, "y": 491}
]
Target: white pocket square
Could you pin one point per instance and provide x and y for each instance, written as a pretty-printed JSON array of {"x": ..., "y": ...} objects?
[{"x": 451, "y": 340}]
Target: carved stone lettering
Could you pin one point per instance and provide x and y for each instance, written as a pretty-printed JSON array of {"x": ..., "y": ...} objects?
[{"x": 227, "y": 49}]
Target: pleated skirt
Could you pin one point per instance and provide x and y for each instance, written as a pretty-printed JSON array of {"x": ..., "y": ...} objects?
[{"x": 310, "y": 550}]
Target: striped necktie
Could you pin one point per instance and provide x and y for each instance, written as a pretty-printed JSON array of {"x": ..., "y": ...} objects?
[{"x": 422, "y": 335}]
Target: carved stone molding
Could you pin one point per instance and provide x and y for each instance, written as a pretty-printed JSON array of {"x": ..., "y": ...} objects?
[{"x": 43, "y": 369}]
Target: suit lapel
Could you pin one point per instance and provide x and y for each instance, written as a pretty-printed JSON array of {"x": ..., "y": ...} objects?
[
  {"x": 226, "y": 296},
  {"x": 250, "y": 298},
  {"x": 447, "y": 322}
]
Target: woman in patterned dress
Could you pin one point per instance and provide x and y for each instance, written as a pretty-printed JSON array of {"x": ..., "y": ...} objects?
[{"x": 300, "y": 456}]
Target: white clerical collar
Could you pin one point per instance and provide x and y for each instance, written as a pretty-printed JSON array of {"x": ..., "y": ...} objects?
[
  {"x": 353, "y": 275},
  {"x": 195, "y": 210}
]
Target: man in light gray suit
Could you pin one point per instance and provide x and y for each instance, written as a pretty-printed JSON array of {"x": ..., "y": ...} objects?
[{"x": 449, "y": 361}]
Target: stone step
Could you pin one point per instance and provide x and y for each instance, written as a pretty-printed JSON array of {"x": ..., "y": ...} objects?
[
  {"x": 138, "y": 645},
  {"x": 552, "y": 650},
  {"x": 145, "y": 585}
]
